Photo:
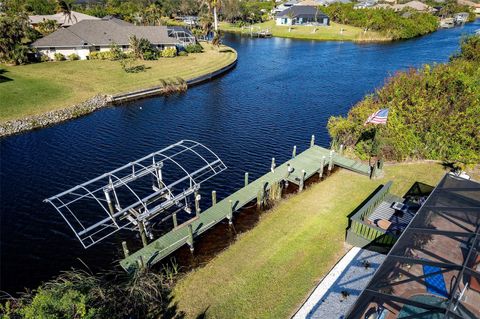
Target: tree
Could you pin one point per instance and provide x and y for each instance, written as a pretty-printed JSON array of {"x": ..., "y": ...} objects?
[
  {"x": 213, "y": 6},
  {"x": 47, "y": 26},
  {"x": 65, "y": 7},
  {"x": 14, "y": 35}
]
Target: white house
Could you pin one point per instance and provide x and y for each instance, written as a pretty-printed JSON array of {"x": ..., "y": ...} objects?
[
  {"x": 302, "y": 15},
  {"x": 88, "y": 36}
]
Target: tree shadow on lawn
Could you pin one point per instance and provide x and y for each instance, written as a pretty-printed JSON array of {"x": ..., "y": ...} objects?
[{"x": 4, "y": 78}]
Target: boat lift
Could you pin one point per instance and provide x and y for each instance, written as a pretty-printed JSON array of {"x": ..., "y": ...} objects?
[{"x": 139, "y": 194}]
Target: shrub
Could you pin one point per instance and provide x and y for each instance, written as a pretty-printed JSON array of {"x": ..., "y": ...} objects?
[
  {"x": 97, "y": 55},
  {"x": 194, "y": 48},
  {"x": 116, "y": 53},
  {"x": 44, "y": 58},
  {"x": 59, "y": 57},
  {"x": 73, "y": 57},
  {"x": 169, "y": 52},
  {"x": 182, "y": 53}
]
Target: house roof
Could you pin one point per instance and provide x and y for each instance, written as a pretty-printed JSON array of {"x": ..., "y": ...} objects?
[
  {"x": 301, "y": 11},
  {"x": 417, "y": 5},
  {"x": 104, "y": 33},
  {"x": 61, "y": 18},
  {"x": 433, "y": 270}
]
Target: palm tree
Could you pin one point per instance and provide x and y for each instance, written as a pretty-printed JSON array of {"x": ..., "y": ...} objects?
[
  {"x": 213, "y": 6},
  {"x": 65, "y": 8}
]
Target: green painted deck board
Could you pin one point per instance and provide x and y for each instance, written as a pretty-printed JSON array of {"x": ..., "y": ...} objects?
[{"x": 309, "y": 160}]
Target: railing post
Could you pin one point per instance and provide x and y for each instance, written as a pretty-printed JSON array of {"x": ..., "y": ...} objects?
[
  {"x": 294, "y": 152},
  {"x": 312, "y": 141},
  {"x": 214, "y": 198},
  {"x": 246, "y": 179}
]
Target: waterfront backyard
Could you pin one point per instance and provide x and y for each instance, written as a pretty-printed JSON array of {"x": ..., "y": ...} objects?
[
  {"x": 333, "y": 32},
  {"x": 291, "y": 248},
  {"x": 37, "y": 88}
]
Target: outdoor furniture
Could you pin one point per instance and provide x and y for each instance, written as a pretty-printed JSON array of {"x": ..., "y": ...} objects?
[
  {"x": 384, "y": 224},
  {"x": 434, "y": 281}
]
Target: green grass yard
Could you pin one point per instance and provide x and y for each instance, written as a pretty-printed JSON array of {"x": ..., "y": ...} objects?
[
  {"x": 37, "y": 88},
  {"x": 269, "y": 270},
  {"x": 328, "y": 33}
]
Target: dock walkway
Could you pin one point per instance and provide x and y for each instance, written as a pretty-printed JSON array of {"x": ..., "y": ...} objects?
[{"x": 303, "y": 166}]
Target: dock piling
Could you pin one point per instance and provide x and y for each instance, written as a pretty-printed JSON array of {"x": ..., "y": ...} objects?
[
  {"x": 272, "y": 167},
  {"x": 302, "y": 181},
  {"x": 190, "y": 237},
  {"x": 214, "y": 198},
  {"x": 341, "y": 149},
  {"x": 230, "y": 212},
  {"x": 125, "y": 249},
  {"x": 330, "y": 162},
  {"x": 294, "y": 152},
  {"x": 197, "y": 203},
  {"x": 312, "y": 141},
  {"x": 140, "y": 263},
  {"x": 143, "y": 235},
  {"x": 246, "y": 179},
  {"x": 322, "y": 165},
  {"x": 175, "y": 222}
]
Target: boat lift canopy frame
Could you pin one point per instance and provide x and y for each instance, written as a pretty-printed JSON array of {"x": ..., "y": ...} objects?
[{"x": 120, "y": 204}]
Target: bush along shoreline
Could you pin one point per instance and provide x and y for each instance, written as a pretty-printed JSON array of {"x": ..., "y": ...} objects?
[{"x": 434, "y": 113}]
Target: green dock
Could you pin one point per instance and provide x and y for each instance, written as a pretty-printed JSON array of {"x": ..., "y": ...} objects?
[{"x": 314, "y": 160}]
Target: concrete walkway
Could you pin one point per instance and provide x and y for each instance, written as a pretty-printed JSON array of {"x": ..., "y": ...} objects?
[{"x": 350, "y": 275}]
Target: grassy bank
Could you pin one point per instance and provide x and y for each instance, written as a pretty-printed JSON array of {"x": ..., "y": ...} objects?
[
  {"x": 269, "y": 270},
  {"x": 332, "y": 32},
  {"x": 37, "y": 88}
]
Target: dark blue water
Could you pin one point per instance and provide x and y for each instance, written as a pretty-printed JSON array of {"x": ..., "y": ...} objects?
[{"x": 280, "y": 93}]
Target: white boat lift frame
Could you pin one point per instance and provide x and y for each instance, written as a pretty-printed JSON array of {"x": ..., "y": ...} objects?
[{"x": 113, "y": 192}]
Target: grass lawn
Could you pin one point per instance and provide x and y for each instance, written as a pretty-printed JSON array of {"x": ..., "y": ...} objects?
[
  {"x": 37, "y": 88},
  {"x": 331, "y": 32},
  {"x": 269, "y": 270}
]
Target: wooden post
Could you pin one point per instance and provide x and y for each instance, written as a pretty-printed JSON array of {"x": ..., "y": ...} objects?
[
  {"x": 330, "y": 162},
  {"x": 272, "y": 167},
  {"x": 312, "y": 141},
  {"x": 190, "y": 237},
  {"x": 125, "y": 249},
  {"x": 175, "y": 222},
  {"x": 230, "y": 212},
  {"x": 246, "y": 179},
  {"x": 214, "y": 198},
  {"x": 322, "y": 165},
  {"x": 141, "y": 227},
  {"x": 302, "y": 181},
  {"x": 294, "y": 152},
  {"x": 140, "y": 263},
  {"x": 197, "y": 203},
  {"x": 341, "y": 149}
]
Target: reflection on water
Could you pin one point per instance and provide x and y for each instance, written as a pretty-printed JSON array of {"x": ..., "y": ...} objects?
[{"x": 280, "y": 93}]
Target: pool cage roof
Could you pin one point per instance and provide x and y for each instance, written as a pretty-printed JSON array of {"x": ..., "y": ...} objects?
[
  {"x": 139, "y": 193},
  {"x": 433, "y": 270}
]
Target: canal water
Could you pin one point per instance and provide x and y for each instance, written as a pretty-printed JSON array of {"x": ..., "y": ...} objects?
[{"x": 280, "y": 93}]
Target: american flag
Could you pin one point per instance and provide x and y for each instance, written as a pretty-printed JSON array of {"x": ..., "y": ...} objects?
[{"x": 379, "y": 117}]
